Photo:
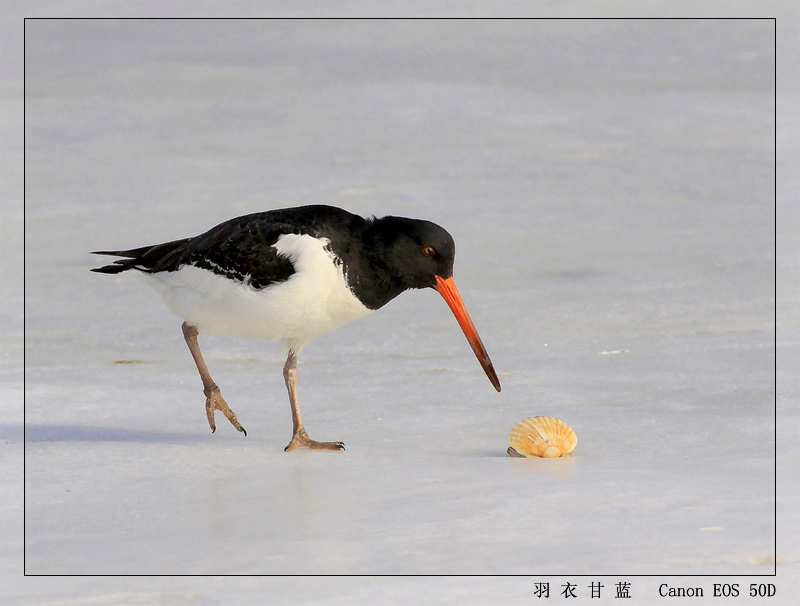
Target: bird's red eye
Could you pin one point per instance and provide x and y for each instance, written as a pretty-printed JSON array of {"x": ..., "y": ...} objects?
[{"x": 428, "y": 251}]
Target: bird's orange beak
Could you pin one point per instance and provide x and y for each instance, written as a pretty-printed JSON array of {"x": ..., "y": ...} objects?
[{"x": 447, "y": 288}]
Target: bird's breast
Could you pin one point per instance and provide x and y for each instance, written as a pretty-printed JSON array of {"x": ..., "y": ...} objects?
[{"x": 314, "y": 300}]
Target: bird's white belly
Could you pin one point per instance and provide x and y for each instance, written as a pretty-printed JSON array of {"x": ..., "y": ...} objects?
[{"x": 313, "y": 301}]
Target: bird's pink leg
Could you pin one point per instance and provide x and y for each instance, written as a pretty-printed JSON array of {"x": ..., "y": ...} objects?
[
  {"x": 214, "y": 399},
  {"x": 299, "y": 435}
]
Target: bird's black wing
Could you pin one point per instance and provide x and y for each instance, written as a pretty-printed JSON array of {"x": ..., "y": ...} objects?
[{"x": 240, "y": 248}]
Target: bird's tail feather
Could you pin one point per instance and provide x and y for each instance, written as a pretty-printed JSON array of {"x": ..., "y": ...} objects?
[
  {"x": 132, "y": 253},
  {"x": 144, "y": 258}
]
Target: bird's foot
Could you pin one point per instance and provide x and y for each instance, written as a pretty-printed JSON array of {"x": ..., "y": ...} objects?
[
  {"x": 215, "y": 401},
  {"x": 300, "y": 438}
]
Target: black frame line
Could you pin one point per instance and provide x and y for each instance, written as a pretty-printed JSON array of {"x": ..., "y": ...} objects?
[{"x": 622, "y": 576}]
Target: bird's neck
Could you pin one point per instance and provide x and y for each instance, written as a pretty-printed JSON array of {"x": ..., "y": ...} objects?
[{"x": 366, "y": 267}]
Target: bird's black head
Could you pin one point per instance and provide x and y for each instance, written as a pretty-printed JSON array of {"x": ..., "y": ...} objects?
[
  {"x": 411, "y": 253},
  {"x": 413, "y": 250}
]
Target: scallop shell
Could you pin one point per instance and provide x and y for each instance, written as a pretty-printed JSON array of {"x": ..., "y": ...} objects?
[{"x": 541, "y": 437}]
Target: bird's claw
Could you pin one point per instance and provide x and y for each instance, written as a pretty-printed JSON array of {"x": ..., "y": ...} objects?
[
  {"x": 300, "y": 438},
  {"x": 215, "y": 401}
]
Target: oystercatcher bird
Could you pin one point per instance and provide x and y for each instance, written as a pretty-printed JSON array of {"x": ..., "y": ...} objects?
[{"x": 294, "y": 274}]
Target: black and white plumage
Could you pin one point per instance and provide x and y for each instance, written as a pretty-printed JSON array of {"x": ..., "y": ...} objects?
[{"x": 295, "y": 274}]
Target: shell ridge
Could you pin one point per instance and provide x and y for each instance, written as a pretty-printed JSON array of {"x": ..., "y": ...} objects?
[{"x": 542, "y": 436}]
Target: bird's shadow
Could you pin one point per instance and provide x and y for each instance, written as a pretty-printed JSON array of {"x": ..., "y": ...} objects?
[{"x": 43, "y": 432}]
